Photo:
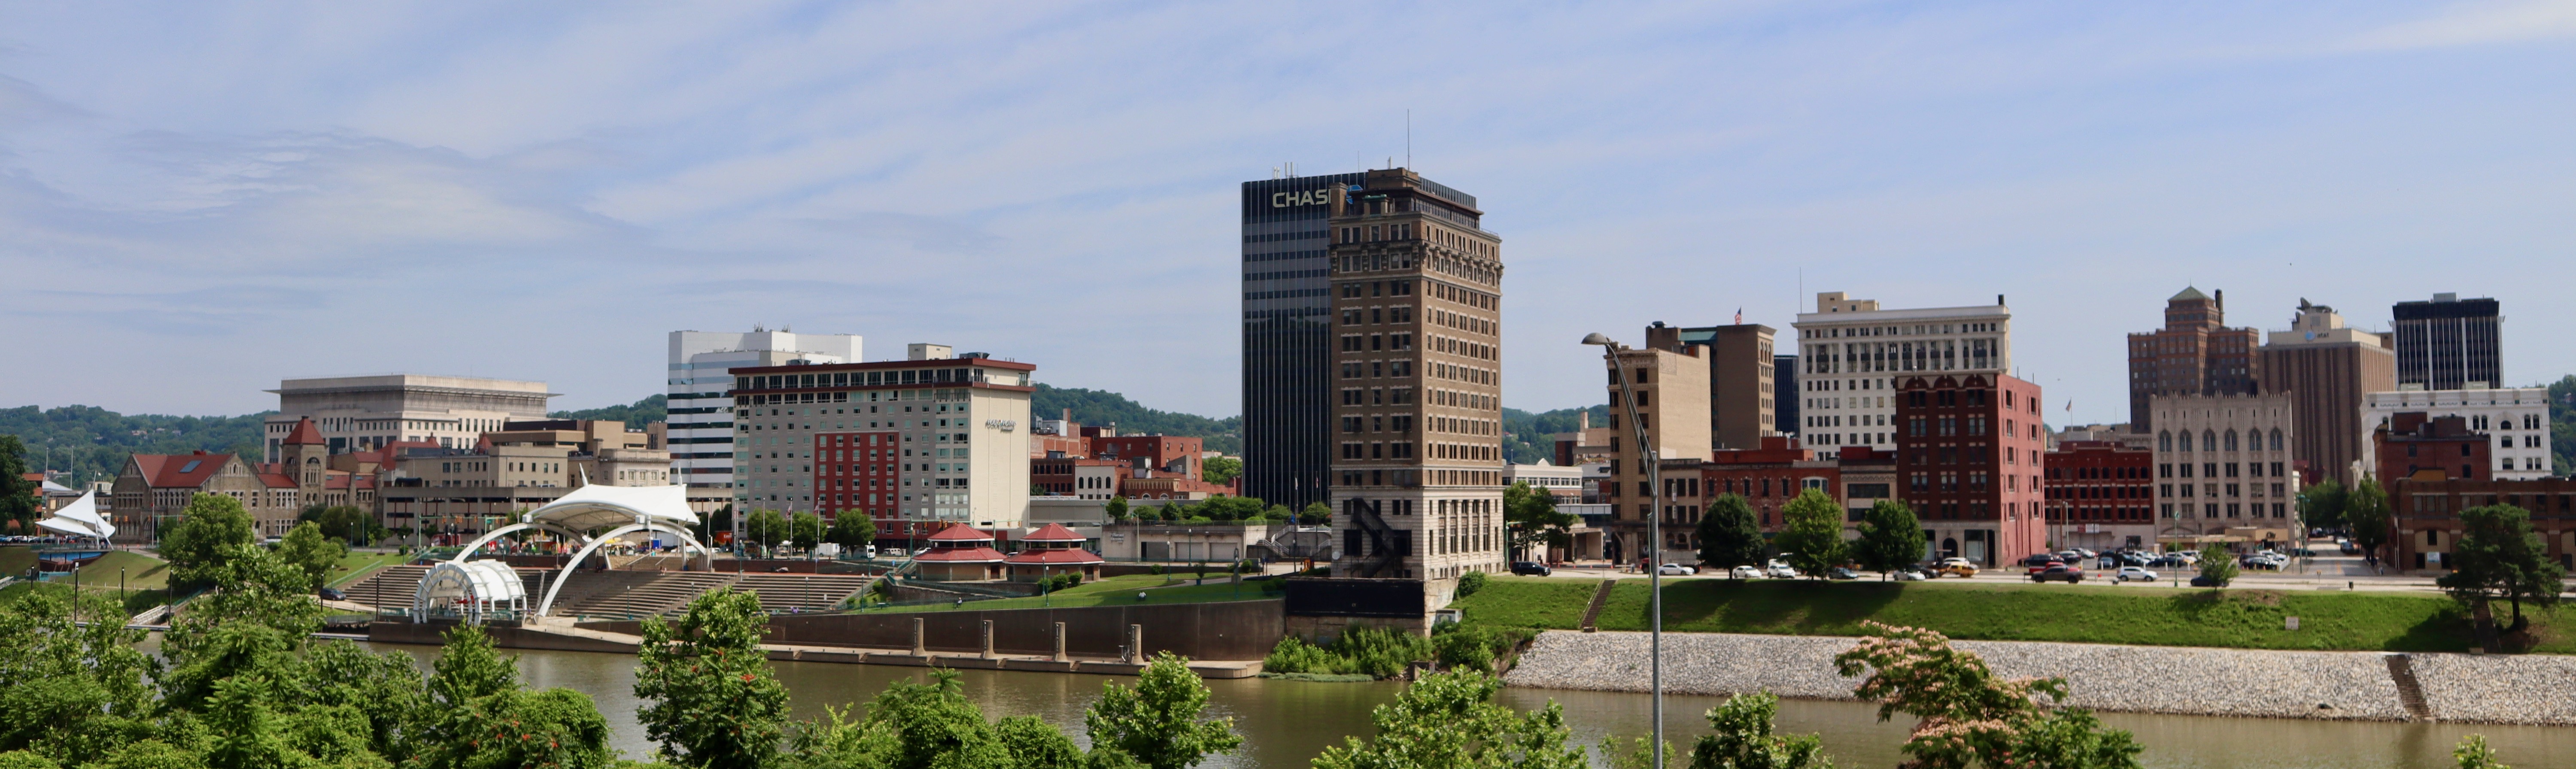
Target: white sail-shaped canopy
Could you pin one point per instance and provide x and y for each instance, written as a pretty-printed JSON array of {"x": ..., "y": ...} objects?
[
  {"x": 80, "y": 519},
  {"x": 598, "y": 506}
]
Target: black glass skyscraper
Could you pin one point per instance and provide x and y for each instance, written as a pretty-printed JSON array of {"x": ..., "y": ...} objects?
[{"x": 1287, "y": 335}]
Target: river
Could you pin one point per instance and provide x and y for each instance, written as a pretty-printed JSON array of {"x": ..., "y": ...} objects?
[{"x": 1286, "y": 723}]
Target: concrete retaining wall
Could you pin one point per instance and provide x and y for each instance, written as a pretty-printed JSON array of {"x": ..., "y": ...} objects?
[
  {"x": 2140, "y": 679},
  {"x": 1230, "y": 630}
]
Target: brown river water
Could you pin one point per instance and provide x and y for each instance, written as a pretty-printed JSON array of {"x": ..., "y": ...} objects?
[{"x": 1286, "y": 723}]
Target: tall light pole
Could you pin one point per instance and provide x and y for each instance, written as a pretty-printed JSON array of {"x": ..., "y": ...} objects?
[{"x": 1651, "y": 556}]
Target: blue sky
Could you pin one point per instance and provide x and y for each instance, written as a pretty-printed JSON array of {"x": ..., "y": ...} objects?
[{"x": 198, "y": 199}]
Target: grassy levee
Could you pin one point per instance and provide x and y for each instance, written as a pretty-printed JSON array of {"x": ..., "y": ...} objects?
[
  {"x": 2237, "y": 618},
  {"x": 15, "y": 560}
]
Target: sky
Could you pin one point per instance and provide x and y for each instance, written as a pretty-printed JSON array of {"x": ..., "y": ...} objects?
[{"x": 200, "y": 199}]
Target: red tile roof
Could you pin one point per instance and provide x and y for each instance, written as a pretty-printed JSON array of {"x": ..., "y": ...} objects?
[
  {"x": 1056, "y": 555},
  {"x": 180, "y": 471},
  {"x": 277, "y": 480},
  {"x": 959, "y": 532},
  {"x": 304, "y": 434},
  {"x": 960, "y": 554},
  {"x": 1053, "y": 532}
]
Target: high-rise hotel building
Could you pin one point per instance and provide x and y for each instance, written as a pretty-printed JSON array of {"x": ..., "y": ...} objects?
[
  {"x": 917, "y": 444},
  {"x": 1416, "y": 367},
  {"x": 1288, "y": 333},
  {"x": 700, "y": 398},
  {"x": 1852, "y": 357}
]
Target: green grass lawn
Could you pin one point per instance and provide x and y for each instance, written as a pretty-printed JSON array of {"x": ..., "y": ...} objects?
[
  {"x": 15, "y": 560},
  {"x": 141, "y": 572},
  {"x": 1120, "y": 591},
  {"x": 356, "y": 566},
  {"x": 2241, "y": 618},
  {"x": 135, "y": 601}
]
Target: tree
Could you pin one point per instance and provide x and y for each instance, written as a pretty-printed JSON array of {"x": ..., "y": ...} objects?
[
  {"x": 1727, "y": 535},
  {"x": 853, "y": 530},
  {"x": 1534, "y": 521},
  {"x": 1229, "y": 508},
  {"x": 1970, "y": 717},
  {"x": 1742, "y": 739},
  {"x": 2366, "y": 515},
  {"x": 1447, "y": 720},
  {"x": 1158, "y": 721},
  {"x": 306, "y": 550},
  {"x": 1221, "y": 470},
  {"x": 765, "y": 528},
  {"x": 1116, "y": 509},
  {"x": 2321, "y": 505},
  {"x": 805, "y": 530},
  {"x": 1811, "y": 533},
  {"x": 2473, "y": 753},
  {"x": 208, "y": 527},
  {"x": 1891, "y": 538},
  {"x": 2498, "y": 556},
  {"x": 2217, "y": 565},
  {"x": 713, "y": 701},
  {"x": 17, "y": 494},
  {"x": 1316, "y": 514}
]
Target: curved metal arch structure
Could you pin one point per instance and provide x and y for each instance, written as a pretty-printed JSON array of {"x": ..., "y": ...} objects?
[
  {"x": 627, "y": 509},
  {"x": 474, "y": 589},
  {"x": 546, "y": 606}
]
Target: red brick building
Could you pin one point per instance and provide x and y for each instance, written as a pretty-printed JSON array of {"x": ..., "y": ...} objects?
[
  {"x": 2412, "y": 444},
  {"x": 1768, "y": 477},
  {"x": 2100, "y": 495},
  {"x": 2194, "y": 354},
  {"x": 1969, "y": 461},
  {"x": 856, "y": 471},
  {"x": 2426, "y": 509}
]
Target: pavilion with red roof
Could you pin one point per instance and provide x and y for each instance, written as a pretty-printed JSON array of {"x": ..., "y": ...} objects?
[
  {"x": 1051, "y": 550},
  {"x": 959, "y": 553}
]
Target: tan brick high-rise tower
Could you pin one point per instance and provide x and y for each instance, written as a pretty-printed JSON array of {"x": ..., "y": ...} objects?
[{"x": 1417, "y": 487}]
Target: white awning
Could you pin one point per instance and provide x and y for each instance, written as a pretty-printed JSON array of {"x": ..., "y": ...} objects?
[
  {"x": 599, "y": 506},
  {"x": 80, "y": 519}
]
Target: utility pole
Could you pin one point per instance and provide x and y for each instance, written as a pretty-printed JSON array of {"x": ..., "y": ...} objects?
[{"x": 1651, "y": 556}]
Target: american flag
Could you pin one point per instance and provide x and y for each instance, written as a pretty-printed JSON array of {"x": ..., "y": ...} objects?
[{"x": 1739, "y": 316}]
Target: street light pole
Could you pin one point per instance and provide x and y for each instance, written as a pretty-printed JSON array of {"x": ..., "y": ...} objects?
[{"x": 1651, "y": 556}]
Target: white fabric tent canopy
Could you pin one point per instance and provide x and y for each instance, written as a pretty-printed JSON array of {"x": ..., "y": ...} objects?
[
  {"x": 597, "y": 505},
  {"x": 80, "y": 519}
]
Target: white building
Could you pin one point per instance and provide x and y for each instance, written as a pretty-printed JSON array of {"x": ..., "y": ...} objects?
[
  {"x": 358, "y": 413},
  {"x": 2224, "y": 467},
  {"x": 917, "y": 445},
  {"x": 1849, "y": 351},
  {"x": 1560, "y": 481},
  {"x": 701, "y": 407},
  {"x": 2518, "y": 418}
]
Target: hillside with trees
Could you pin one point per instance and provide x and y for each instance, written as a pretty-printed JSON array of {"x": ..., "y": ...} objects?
[
  {"x": 636, "y": 415},
  {"x": 1525, "y": 434},
  {"x": 93, "y": 442},
  {"x": 1101, "y": 407}
]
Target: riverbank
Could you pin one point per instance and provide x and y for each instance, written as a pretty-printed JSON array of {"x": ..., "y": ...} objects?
[
  {"x": 2107, "y": 677},
  {"x": 2010, "y": 611}
]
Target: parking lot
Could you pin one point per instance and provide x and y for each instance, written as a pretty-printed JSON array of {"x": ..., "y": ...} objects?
[{"x": 2329, "y": 570}]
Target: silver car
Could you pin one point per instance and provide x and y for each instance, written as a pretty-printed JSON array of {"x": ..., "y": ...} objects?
[{"x": 2133, "y": 574}]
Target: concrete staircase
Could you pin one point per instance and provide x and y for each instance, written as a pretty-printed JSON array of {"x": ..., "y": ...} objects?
[
  {"x": 2410, "y": 693},
  {"x": 1600, "y": 598},
  {"x": 801, "y": 593}
]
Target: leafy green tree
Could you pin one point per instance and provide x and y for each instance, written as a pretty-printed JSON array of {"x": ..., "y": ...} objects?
[
  {"x": 1158, "y": 721},
  {"x": 2217, "y": 565},
  {"x": 2321, "y": 505},
  {"x": 805, "y": 530},
  {"x": 1741, "y": 738},
  {"x": 712, "y": 700},
  {"x": 207, "y": 527},
  {"x": 765, "y": 528},
  {"x": 2366, "y": 515},
  {"x": 305, "y": 549},
  {"x": 1728, "y": 537},
  {"x": 70, "y": 690},
  {"x": 1316, "y": 514},
  {"x": 1891, "y": 538},
  {"x": 2498, "y": 556},
  {"x": 1811, "y": 533},
  {"x": 17, "y": 494},
  {"x": 2473, "y": 753},
  {"x": 1229, "y": 508},
  {"x": 1221, "y": 470},
  {"x": 1116, "y": 509},
  {"x": 1535, "y": 523},
  {"x": 1969, "y": 717},
  {"x": 1448, "y": 720},
  {"x": 853, "y": 530}
]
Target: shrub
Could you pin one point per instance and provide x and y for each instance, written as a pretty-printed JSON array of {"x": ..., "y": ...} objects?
[
  {"x": 1470, "y": 582},
  {"x": 2218, "y": 565},
  {"x": 1295, "y": 656},
  {"x": 1379, "y": 653}
]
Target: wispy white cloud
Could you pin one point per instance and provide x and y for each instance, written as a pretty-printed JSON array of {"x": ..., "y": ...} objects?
[{"x": 2477, "y": 23}]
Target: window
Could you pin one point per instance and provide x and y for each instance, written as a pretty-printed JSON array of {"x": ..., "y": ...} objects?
[
  {"x": 2164, "y": 441},
  {"x": 2208, "y": 441}
]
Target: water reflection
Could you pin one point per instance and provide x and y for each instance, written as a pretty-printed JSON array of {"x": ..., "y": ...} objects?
[{"x": 1286, "y": 723}]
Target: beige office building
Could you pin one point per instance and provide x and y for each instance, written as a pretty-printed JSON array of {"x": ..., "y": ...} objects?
[
  {"x": 1740, "y": 389},
  {"x": 2222, "y": 466},
  {"x": 2327, "y": 369},
  {"x": 359, "y": 413},
  {"x": 1417, "y": 466},
  {"x": 1672, "y": 397},
  {"x": 1850, "y": 352},
  {"x": 917, "y": 445}
]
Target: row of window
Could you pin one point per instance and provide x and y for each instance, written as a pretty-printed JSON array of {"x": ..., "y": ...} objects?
[
  {"x": 2212, "y": 489},
  {"x": 2211, "y": 509},
  {"x": 859, "y": 378},
  {"x": 2213, "y": 469},
  {"x": 2212, "y": 440}
]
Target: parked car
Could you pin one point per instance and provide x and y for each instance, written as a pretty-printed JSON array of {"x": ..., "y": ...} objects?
[
  {"x": 2349, "y": 548},
  {"x": 1911, "y": 574},
  {"x": 2060, "y": 573},
  {"x": 1676, "y": 570},
  {"x": 1841, "y": 573},
  {"x": 1780, "y": 570},
  {"x": 2046, "y": 565},
  {"x": 2133, "y": 574},
  {"x": 330, "y": 594},
  {"x": 1955, "y": 567},
  {"x": 1745, "y": 572},
  {"x": 1531, "y": 569},
  {"x": 2207, "y": 582},
  {"x": 2040, "y": 560}
]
